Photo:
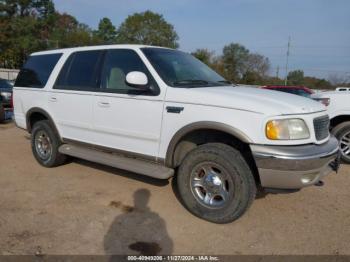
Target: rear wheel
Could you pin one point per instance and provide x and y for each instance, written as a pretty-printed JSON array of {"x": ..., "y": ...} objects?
[
  {"x": 2, "y": 113},
  {"x": 215, "y": 183},
  {"x": 342, "y": 133},
  {"x": 45, "y": 143}
]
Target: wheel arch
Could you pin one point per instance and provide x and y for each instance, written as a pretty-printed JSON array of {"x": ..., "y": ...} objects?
[
  {"x": 202, "y": 126},
  {"x": 36, "y": 114},
  {"x": 195, "y": 134},
  {"x": 339, "y": 119}
]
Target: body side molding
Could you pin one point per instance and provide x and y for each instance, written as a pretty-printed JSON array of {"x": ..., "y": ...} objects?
[
  {"x": 118, "y": 161},
  {"x": 120, "y": 152}
]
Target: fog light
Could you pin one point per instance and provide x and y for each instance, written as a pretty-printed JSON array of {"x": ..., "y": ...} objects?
[{"x": 308, "y": 178}]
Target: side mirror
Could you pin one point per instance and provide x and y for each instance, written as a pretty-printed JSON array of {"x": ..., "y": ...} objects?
[{"x": 137, "y": 79}]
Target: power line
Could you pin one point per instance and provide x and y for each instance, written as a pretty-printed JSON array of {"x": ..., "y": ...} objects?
[
  {"x": 310, "y": 55},
  {"x": 301, "y": 46},
  {"x": 318, "y": 69},
  {"x": 327, "y": 70},
  {"x": 330, "y": 47}
]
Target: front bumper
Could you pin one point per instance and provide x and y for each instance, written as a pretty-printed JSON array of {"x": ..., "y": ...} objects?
[{"x": 294, "y": 167}]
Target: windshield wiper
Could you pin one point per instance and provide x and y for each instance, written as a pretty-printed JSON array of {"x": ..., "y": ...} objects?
[
  {"x": 190, "y": 82},
  {"x": 225, "y": 82}
]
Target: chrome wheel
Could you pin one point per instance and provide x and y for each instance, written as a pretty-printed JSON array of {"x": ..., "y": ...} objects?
[
  {"x": 345, "y": 145},
  {"x": 211, "y": 185},
  {"x": 43, "y": 145}
]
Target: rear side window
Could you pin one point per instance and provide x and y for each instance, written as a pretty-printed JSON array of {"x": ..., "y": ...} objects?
[
  {"x": 81, "y": 71},
  {"x": 37, "y": 70}
]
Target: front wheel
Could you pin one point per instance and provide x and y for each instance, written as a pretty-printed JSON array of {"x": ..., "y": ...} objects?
[
  {"x": 215, "y": 183},
  {"x": 342, "y": 133}
]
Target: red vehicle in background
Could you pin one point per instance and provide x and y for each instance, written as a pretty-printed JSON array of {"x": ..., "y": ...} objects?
[{"x": 296, "y": 90}]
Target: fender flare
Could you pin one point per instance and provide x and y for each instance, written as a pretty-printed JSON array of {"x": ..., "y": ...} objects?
[
  {"x": 43, "y": 112},
  {"x": 198, "y": 126}
]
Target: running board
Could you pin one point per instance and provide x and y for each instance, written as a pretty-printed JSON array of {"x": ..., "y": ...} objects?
[{"x": 131, "y": 164}]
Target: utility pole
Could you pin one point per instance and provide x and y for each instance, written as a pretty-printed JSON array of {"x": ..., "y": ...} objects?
[
  {"x": 287, "y": 60},
  {"x": 277, "y": 71}
]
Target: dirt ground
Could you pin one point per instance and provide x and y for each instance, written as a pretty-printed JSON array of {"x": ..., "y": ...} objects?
[{"x": 85, "y": 208}]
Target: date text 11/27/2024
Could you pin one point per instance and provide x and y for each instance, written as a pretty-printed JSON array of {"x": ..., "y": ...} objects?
[{"x": 173, "y": 258}]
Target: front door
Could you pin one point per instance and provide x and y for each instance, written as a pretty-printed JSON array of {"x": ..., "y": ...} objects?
[{"x": 125, "y": 117}]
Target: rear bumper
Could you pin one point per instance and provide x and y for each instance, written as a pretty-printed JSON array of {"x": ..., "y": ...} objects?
[{"x": 294, "y": 167}]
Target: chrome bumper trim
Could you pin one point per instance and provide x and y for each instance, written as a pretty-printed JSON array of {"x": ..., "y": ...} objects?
[{"x": 293, "y": 167}]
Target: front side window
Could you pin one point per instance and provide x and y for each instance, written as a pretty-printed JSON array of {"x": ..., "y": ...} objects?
[
  {"x": 179, "y": 69},
  {"x": 37, "y": 70},
  {"x": 81, "y": 71},
  {"x": 118, "y": 63}
]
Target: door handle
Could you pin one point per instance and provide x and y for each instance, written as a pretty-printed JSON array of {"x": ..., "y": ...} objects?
[
  {"x": 53, "y": 99},
  {"x": 104, "y": 104}
]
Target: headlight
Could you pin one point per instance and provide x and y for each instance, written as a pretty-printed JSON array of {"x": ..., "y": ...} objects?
[{"x": 287, "y": 129}]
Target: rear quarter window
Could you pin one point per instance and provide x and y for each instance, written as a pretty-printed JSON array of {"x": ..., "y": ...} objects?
[{"x": 37, "y": 70}]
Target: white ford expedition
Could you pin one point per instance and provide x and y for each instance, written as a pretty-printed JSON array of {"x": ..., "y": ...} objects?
[{"x": 162, "y": 113}]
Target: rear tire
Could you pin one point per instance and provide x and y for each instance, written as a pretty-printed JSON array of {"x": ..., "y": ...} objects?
[
  {"x": 2, "y": 114},
  {"x": 215, "y": 183},
  {"x": 45, "y": 143},
  {"x": 342, "y": 133}
]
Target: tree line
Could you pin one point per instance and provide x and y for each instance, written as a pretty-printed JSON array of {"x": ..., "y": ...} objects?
[{"x": 27, "y": 26}]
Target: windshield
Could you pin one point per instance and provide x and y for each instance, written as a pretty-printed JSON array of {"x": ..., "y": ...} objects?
[{"x": 179, "y": 69}]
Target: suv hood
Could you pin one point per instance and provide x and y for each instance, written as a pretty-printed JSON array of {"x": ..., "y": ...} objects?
[{"x": 246, "y": 98}]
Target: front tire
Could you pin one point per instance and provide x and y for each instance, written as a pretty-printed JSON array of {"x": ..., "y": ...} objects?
[
  {"x": 45, "y": 143},
  {"x": 342, "y": 133},
  {"x": 215, "y": 183}
]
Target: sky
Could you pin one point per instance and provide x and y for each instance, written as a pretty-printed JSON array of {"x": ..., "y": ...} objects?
[{"x": 319, "y": 29}]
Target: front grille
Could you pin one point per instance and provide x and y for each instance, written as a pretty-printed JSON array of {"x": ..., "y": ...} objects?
[{"x": 321, "y": 126}]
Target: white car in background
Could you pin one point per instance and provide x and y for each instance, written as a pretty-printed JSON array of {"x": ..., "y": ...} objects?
[
  {"x": 342, "y": 89},
  {"x": 338, "y": 107}
]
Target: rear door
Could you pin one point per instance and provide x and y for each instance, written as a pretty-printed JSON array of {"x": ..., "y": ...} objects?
[
  {"x": 71, "y": 99},
  {"x": 125, "y": 117}
]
